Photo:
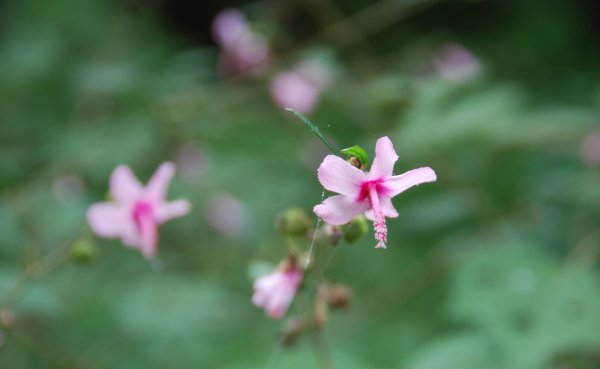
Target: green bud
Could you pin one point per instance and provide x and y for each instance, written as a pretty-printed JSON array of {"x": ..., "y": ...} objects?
[
  {"x": 355, "y": 229},
  {"x": 293, "y": 222},
  {"x": 84, "y": 250},
  {"x": 357, "y": 156}
]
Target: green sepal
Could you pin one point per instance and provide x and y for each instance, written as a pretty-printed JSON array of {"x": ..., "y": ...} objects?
[{"x": 359, "y": 153}]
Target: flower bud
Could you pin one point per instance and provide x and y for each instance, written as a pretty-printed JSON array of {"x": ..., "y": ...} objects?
[
  {"x": 293, "y": 222},
  {"x": 353, "y": 160},
  {"x": 338, "y": 295},
  {"x": 333, "y": 234},
  {"x": 84, "y": 250},
  {"x": 292, "y": 329},
  {"x": 7, "y": 318},
  {"x": 355, "y": 229},
  {"x": 357, "y": 157}
]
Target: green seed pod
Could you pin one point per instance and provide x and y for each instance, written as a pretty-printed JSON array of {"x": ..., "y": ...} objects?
[
  {"x": 355, "y": 229},
  {"x": 293, "y": 222},
  {"x": 84, "y": 250}
]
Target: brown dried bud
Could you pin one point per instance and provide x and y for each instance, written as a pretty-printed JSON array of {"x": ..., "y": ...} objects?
[
  {"x": 292, "y": 329},
  {"x": 7, "y": 318},
  {"x": 337, "y": 295},
  {"x": 333, "y": 234}
]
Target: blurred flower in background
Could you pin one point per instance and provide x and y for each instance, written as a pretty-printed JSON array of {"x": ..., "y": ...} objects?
[
  {"x": 457, "y": 64},
  {"x": 301, "y": 87},
  {"x": 192, "y": 162},
  {"x": 275, "y": 291},
  {"x": 68, "y": 187},
  {"x": 243, "y": 50},
  {"x": 226, "y": 214},
  {"x": 136, "y": 82},
  {"x": 590, "y": 149},
  {"x": 137, "y": 211}
]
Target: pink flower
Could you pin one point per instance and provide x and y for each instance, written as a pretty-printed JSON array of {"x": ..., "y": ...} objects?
[
  {"x": 274, "y": 292},
  {"x": 137, "y": 211},
  {"x": 302, "y": 87},
  {"x": 292, "y": 90},
  {"x": 457, "y": 64},
  {"x": 244, "y": 51},
  {"x": 369, "y": 193}
]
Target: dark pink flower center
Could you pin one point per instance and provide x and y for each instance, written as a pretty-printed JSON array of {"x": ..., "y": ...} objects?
[
  {"x": 142, "y": 214},
  {"x": 366, "y": 187}
]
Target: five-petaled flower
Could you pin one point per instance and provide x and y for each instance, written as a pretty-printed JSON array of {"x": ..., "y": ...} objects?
[
  {"x": 137, "y": 211},
  {"x": 275, "y": 291},
  {"x": 369, "y": 193}
]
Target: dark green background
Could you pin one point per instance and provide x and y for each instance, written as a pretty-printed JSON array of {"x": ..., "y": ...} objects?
[{"x": 493, "y": 266}]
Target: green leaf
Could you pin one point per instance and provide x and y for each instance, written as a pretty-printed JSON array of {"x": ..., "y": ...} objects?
[{"x": 359, "y": 153}]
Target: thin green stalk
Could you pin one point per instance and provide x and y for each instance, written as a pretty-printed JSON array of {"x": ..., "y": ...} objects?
[{"x": 314, "y": 129}]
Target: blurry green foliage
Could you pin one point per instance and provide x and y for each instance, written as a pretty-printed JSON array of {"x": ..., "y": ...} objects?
[{"x": 87, "y": 85}]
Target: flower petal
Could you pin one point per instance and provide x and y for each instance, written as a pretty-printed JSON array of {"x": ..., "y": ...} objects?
[
  {"x": 337, "y": 175},
  {"x": 107, "y": 220},
  {"x": 385, "y": 158},
  {"x": 124, "y": 186},
  {"x": 172, "y": 210},
  {"x": 159, "y": 183},
  {"x": 386, "y": 207},
  {"x": 340, "y": 209},
  {"x": 401, "y": 183},
  {"x": 274, "y": 292},
  {"x": 148, "y": 236}
]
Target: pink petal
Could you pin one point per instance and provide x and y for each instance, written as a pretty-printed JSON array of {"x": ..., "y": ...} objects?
[
  {"x": 172, "y": 210},
  {"x": 124, "y": 186},
  {"x": 228, "y": 26},
  {"x": 275, "y": 291},
  {"x": 385, "y": 158},
  {"x": 338, "y": 210},
  {"x": 148, "y": 236},
  {"x": 292, "y": 90},
  {"x": 386, "y": 207},
  {"x": 279, "y": 302},
  {"x": 337, "y": 175},
  {"x": 400, "y": 183},
  {"x": 107, "y": 220},
  {"x": 159, "y": 183}
]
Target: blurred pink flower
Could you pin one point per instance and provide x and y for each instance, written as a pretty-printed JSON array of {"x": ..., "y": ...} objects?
[
  {"x": 137, "y": 211},
  {"x": 457, "y": 64},
  {"x": 274, "y": 292},
  {"x": 244, "y": 51},
  {"x": 369, "y": 193},
  {"x": 302, "y": 87},
  {"x": 226, "y": 214},
  {"x": 192, "y": 161},
  {"x": 590, "y": 149},
  {"x": 68, "y": 187}
]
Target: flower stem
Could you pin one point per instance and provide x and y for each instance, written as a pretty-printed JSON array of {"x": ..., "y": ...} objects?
[
  {"x": 313, "y": 129},
  {"x": 321, "y": 349}
]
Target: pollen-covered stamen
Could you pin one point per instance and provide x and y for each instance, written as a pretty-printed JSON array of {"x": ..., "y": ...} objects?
[
  {"x": 380, "y": 231},
  {"x": 143, "y": 218},
  {"x": 379, "y": 223}
]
